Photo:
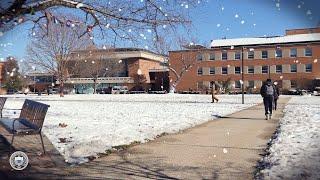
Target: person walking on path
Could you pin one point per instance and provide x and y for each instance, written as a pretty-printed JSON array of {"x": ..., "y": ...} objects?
[
  {"x": 276, "y": 97},
  {"x": 213, "y": 93},
  {"x": 268, "y": 92}
]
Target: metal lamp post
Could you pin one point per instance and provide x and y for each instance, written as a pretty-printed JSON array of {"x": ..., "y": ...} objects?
[{"x": 242, "y": 75}]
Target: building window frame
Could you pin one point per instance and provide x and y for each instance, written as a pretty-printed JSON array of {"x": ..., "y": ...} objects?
[
  {"x": 308, "y": 52},
  {"x": 237, "y": 55},
  {"x": 250, "y": 54},
  {"x": 278, "y": 53},
  {"x": 293, "y": 52},
  {"x": 293, "y": 83},
  {"x": 265, "y": 69},
  {"x": 250, "y": 84},
  {"x": 278, "y": 70},
  {"x": 264, "y": 54},
  {"x": 308, "y": 69},
  {"x": 212, "y": 57},
  {"x": 250, "y": 70},
  {"x": 224, "y": 70},
  {"x": 200, "y": 71},
  {"x": 224, "y": 56},
  {"x": 293, "y": 68},
  {"x": 199, "y": 57},
  {"x": 237, "y": 84},
  {"x": 200, "y": 85},
  {"x": 237, "y": 70},
  {"x": 212, "y": 71}
]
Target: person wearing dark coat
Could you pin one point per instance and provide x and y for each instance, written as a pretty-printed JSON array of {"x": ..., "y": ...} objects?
[
  {"x": 268, "y": 92},
  {"x": 213, "y": 97},
  {"x": 276, "y": 97}
]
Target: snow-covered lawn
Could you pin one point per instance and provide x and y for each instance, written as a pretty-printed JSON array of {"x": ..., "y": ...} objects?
[
  {"x": 95, "y": 123},
  {"x": 295, "y": 152}
]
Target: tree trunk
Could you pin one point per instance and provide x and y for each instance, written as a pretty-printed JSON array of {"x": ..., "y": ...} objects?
[
  {"x": 61, "y": 88},
  {"x": 94, "y": 85}
]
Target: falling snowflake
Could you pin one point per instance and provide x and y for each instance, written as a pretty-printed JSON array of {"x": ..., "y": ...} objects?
[
  {"x": 79, "y": 5},
  {"x": 104, "y": 47},
  {"x": 108, "y": 25},
  {"x": 142, "y": 35},
  {"x": 241, "y": 82},
  {"x": 299, "y": 6},
  {"x": 20, "y": 20},
  {"x": 222, "y": 8},
  {"x": 309, "y": 12},
  {"x": 228, "y": 29},
  {"x": 214, "y": 155},
  {"x": 242, "y": 22},
  {"x": 164, "y": 26},
  {"x": 120, "y": 9},
  {"x": 120, "y": 61},
  {"x": 225, "y": 150},
  {"x": 315, "y": 60},
  {"x": 33, "y": 34},
  {"x": 277, "y": 5},
  {"x": 186, "y": 6},
  {"x": 1, "y": 33},
  {"x": 129, "y": 30},
  {"x": 236, "y": 16},
  {"x": 232, "y": 47},
  {"x": 92, "y": 62},
  {"x": 254, "y": 24},
  {"x": 218, "y": 25},
  {"x": 146, "y": 47},
  {"x": 149, "y": 30}
]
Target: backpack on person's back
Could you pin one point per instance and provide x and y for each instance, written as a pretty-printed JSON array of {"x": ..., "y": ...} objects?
[{"x": 269, "y": 90}]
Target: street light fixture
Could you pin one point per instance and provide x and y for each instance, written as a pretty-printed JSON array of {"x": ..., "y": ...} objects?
[{"x": 242, "y": 72}]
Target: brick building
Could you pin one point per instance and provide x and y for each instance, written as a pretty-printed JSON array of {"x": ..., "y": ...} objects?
[
  {"x": 291, "y": 60},
  {"x": 117, "y": 67}
]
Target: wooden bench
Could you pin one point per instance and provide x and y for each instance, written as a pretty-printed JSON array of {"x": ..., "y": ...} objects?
[
  {"x": 2, "y": 101},
  {"x": 30, "y": 121}
]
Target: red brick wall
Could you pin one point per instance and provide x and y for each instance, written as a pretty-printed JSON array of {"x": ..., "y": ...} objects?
[
  {"x": 144, "y": 65},
  {"x": 302, "y": 31}
]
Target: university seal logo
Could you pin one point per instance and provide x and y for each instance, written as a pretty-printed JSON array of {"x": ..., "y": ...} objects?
[{"x": 19, "y": 160}]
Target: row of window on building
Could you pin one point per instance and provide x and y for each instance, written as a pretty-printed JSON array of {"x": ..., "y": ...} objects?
[
  {"x": 248, "y": 84},
  {"x": 251, "y": 69},
  {"x": 250, "y": 55}
]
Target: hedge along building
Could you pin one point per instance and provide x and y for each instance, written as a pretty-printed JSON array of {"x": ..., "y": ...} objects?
[
  {"x": 291, "y": 60},
  {"x": 139, "y": 69}
]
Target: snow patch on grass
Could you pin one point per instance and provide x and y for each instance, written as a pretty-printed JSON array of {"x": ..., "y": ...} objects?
[
  {"x": 295, "y": 152},
  {"x": 92, "y": 124}
]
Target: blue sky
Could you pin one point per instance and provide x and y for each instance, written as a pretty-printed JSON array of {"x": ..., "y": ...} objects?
[{"x": 215, "y": 19}]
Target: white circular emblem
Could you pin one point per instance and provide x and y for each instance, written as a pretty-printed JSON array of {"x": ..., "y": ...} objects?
[{"x": 19, "y": 160}]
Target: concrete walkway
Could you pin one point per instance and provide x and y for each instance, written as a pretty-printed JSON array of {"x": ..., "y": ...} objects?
[{"x": 226, "y": 148}]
